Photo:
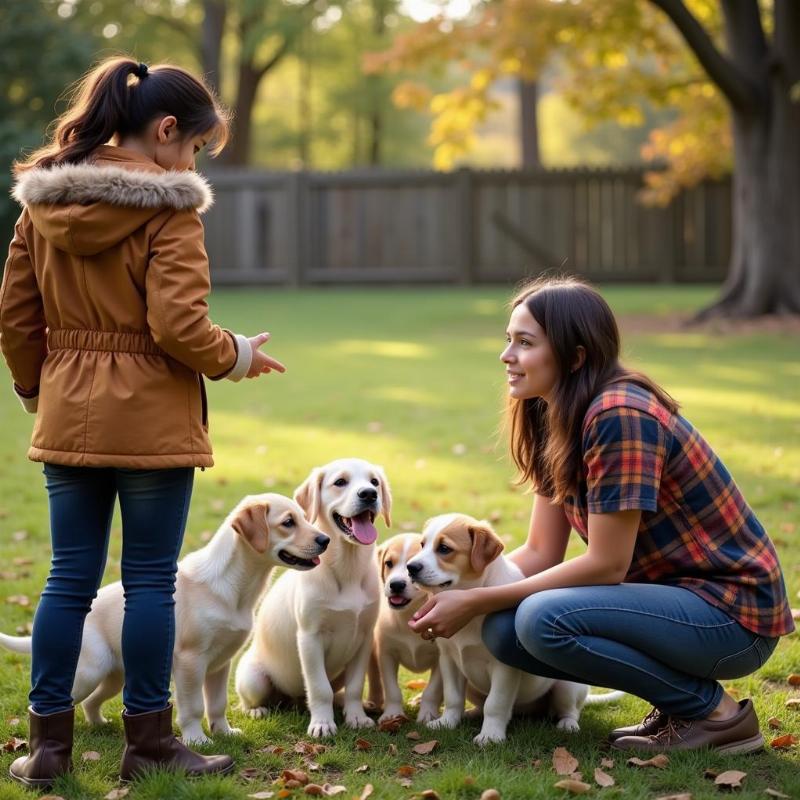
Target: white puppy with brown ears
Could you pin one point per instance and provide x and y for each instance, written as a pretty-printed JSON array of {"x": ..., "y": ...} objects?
[
  {"x": 311, "y": 634},
  {"x": 216, "y": 590},
  {"x": 396, "y": 644},
  {"x": 460, "y": 551}
]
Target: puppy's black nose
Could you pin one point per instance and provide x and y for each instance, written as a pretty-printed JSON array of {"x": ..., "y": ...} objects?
[
  {"x": 368, "y": 494},
  {"x": 397, "y": 586},
  {"x": 322, "y": 540},
  {"x": 414, "y": 568}
]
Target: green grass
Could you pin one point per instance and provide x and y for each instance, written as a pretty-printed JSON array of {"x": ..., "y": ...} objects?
[{"x": 410, "y": 379}]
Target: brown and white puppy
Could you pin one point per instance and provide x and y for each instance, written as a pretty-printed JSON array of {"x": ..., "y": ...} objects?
[
  {"x": 311, "y": 633},
  {"x": 396, "y": 644},
  {"x": 459, "y": 551},
  {"x": 216, "y": 591}
]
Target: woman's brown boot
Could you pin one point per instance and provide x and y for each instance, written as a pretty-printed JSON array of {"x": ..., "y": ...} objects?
[
  {"x": 50, "y": 749},
  {"x": 151, "y": 744}
]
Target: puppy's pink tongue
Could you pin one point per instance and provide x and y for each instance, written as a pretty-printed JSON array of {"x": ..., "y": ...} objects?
[{"x": 363, "y": 529}]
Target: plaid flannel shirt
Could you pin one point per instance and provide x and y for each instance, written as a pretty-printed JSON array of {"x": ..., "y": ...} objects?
[{"x": 696, "y": 530}]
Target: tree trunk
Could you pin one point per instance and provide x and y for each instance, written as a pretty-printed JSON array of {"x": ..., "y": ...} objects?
[
  {"x": 528, "y": 92},
  {"x": 211, "y": 46},
  {"x": 238, "y": 151},
  {"x": 379, "y": 10}
]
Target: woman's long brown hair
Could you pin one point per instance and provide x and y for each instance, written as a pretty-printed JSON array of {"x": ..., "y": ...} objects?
[
  {"x": 546, "y": 437},
  {"x": 111, "y": 100}
]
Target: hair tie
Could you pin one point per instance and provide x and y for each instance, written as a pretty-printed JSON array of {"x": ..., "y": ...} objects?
[{"x": 141, "y": 70}]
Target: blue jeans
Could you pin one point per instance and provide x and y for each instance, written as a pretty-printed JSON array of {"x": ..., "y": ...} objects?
[
  {"x": 662, "y": 643},
  {"x": 154, "y": 506}
]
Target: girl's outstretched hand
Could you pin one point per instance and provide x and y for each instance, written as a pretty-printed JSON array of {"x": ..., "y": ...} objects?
[
  {"x": 262, "y": 363},
  {"x": 444, "y": 614}
]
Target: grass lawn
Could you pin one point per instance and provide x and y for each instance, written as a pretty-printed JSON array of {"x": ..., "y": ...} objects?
[{"x": 410, "y": 379}]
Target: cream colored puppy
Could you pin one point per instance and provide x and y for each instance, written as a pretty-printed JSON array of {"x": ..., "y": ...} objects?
[
  {"x": 216, "y": 591},
  {"x": 460, "y": 551},
  {"x": 396, "y": 644},
  {"x": 311, "y": 634}
]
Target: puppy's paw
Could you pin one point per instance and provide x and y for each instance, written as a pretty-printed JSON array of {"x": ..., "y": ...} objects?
[
  {"x": 445, "y": 721},
  {"x": 321, "y": 726},
  {"x": 391, "y": 712},
  {"x": 259, "y": 712},
  {"x": 358, "y": 720},
  {"x": 489, "y": 737},
  {"x": 193, "y": 736},
  {"x": 427, "y": 713},
  {"x": 568, "y": 724},
  {"x": 222, "y": 728}
]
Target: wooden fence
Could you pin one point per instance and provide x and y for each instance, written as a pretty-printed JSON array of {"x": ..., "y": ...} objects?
[{"x": 467, "y": 226}]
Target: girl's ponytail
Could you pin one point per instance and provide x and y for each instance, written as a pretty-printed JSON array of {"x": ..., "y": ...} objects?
[{"x": 120, "y": 96}]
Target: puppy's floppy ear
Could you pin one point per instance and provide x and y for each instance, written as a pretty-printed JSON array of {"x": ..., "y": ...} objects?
[
  {"x": 381, "y": 551},
  {"x": 308, "y": 494},
  {"x": 386, "y": 498},
  {"x": 251, "y": 524},
  {"x": 486, "y": 546}
]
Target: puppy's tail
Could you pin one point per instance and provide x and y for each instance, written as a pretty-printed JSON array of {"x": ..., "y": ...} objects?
[
  {"x": 17, "y": 644},
  {"x": 605, "y": 697}
]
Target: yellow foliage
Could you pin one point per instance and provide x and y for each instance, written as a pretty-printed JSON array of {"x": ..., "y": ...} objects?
[{"x": 411, "y": 95}]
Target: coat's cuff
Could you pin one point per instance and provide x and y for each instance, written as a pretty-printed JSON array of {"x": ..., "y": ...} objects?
[
  {"x": 244, "y": 357},
  {"x": 29, "y": 400}
]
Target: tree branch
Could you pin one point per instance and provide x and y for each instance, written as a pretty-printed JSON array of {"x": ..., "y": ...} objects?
[{"x": 740, "y": 90}]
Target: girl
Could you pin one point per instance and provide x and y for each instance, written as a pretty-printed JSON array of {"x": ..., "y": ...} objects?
[
  {"x": 105, "y": 329},
  {"x": 679, "y": 586}
]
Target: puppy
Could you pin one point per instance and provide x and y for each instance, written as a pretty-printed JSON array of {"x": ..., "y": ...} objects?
[
  {"x": 311, "y": 634},
  {"x": 459, "y": 551},
  {"x": 216, "y": 590},
  {"x": 396, "y": 644}
]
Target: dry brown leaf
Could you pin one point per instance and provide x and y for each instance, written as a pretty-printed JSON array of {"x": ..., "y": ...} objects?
[
  {"x": 275, "y": 749},
  {"x": 683, "y": 796},
  {"x": 776, "y": 793},
  {"x": 536, "y": 763},
  {"x": 425, "y": 748},
  {"x": 329, "y": 790},
  {"x": 362, "y": 768},
  {"x": 313, "y": 789},
  {"x": 659, "y": 761},
  {"x": 413, "y": 735},
  {"x": 250, "y": 773},
  {"x": 730, "y": 779},
  {"x": 90, "y": 755},
  {"x": 784, "y": 742},
  {"x": 603, "y": 778},
  {"x": 312, "y": 766},
  {"x": 794, "y": 679},
  {"x": 262, "y": 795},
  {"x": 294, "y": 775},
  {"x": 392, "y": 749},
  {"x": 292, "y": 784},
  {"x": 117, "y": 794},
  {"x": 406, "y": 770},
  {"x": 416, "y": 685},
  {"x": 564, "y": 763},
  {"x": 51, "y": 797},
  {"x": 428, "y": 794},
  {"x": 14, "y": 744},
  {"x": 573, "y": 786},
  {"x": 366, "y": 792},
  {"x": 392, "y": 724},
  {"x": 18, "y": 600},
  {"x": 793, "y": 703},
  {"x": 363, "y": 744},
  {"x": 22, "y": 561},
  {"x": 470, "y": 781},
  {"x": 775, "y": 724},
  {"x": 490, "y": 794},
  {"x": 607, "y": 763}
]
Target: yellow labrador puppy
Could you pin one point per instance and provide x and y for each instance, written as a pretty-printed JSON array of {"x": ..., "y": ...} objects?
[
  {"x": 460, "y": 551},
  {"x": 216, "y": 591},
  {"x": 396, "y": 644},
  {"x": 312, "y": 633}
]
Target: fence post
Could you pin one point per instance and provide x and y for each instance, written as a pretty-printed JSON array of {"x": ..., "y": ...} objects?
[
  {"x": 297, "y": 206},
  {"x": 465, "y": 269}
]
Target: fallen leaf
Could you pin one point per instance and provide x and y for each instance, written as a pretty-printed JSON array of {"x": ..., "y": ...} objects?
[
  {"x": 794, "y": 703},
  {"x": 292, "y": 784},
  {"x": 414, "y": 735},
  {"x": 312, "y": 766},
  {"x": 117, "y": 794},
  {"x": 425, "y": 748},
  {"x": 794, "y": 680},
  {"x": 470, "y": 781},
  {"x": 602, "y": 778},
  {"x": 490, "y": 794},
  {"x": 428, "y": 794},
  {"x": 90, "y": 755},
  {"x": 13, "y": 722},
  {"x": 19, "y": 536},
  {"x": 573, "y": 786},
  {"x": 775, "y": 723},
  {"x": 730, "y": 779},
  {"x": 392, "y": 749},
  {"x": 659, "y": 761},
  {"x": 564, "y": 763},
  {"x": 784, "y": 742},
  {"x": 776, "y": 793},
  {"x": 577, "y": 776},
  {"x": 536, "y": 763},
  {"x": 51, "y": 797},
  {"x": 392, "y": 724},
  {"x": 262, "y": 795},
  {"x": 366, "y": 792},
  {"x": 250, "y": 773},
  {"x": 329, "y": 790},
  {"x": 607, "y": 763},
  {"x": 362, "y": 768},
  {"x": 295, "y": 775},
  {"x": 406, "y": 770},
  {"x": 14, "y": 744},
  {"x": 416, "y": 685},
  {"x": 276, "y": 749},
  {"x": 363, "y": 744},
  {"x": 22, "y": 561},
  {"x": 405, "y": 782},
  {"x": 313, "y": 788},
  {"x": 18, "y": 600},
  {"x": 285, "y": 793},
  {"x": 684, "y": 796}
]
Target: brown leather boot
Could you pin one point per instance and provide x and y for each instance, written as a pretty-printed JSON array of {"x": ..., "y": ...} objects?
[
  {"x": 652, "y": 723},
  {"x": 50, "y": 749},
  {"x": 151, "y": 744}
]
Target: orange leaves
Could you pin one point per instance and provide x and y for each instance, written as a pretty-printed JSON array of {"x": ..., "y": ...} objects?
[
  {"x": 660, "y": 761},
  {"x": 564, "y": 763},
  {"x": 784, "y": 742}
]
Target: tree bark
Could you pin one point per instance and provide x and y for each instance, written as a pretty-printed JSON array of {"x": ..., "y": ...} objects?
[
  {"x": 528, "y": 92},
  {"x": 764, "y": 272},
  {"x": 211, "y": 46}
]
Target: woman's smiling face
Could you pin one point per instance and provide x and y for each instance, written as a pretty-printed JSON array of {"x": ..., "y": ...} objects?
[{"x": 531, "y": 368}]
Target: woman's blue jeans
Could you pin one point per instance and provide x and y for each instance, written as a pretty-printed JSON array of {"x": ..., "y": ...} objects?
[
  {"x": 662, "y": 643},
  {"x": 154, "y": 505}
]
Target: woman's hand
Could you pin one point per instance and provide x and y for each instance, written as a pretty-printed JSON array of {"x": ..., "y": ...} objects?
[
  {"x": 445, "y": 614},
  {"x": 262, "y": 363}
]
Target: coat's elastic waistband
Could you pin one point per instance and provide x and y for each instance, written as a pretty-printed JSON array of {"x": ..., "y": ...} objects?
[{"x": 107, "y": 341}]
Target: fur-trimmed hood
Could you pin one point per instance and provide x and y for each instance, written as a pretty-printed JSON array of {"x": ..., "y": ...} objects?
[{"x": 86, "y": 208}]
